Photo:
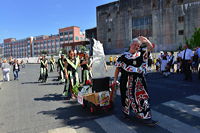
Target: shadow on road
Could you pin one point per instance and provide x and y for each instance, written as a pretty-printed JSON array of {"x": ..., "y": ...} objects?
[
  {"x": 50, "y": 84},
  {"x": 36, "y": 82},
  {"x": 50, "y": 97},
  {"x": 75, "y": 115},
  {"x": 53, "y": 77}
]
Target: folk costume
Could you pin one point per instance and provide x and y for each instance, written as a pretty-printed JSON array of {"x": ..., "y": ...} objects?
[
  {"x": 136, "y": 97},
  {"x": 52, "y": 64},
  {"x": 73, "y": 79},
  {"x": 60, "y": 69},
  {"x": 85, "y": 76},
  {"x": 43, "y": 70}
]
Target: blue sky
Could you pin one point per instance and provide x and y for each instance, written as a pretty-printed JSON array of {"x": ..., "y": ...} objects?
[{"x": 22, "y": 18}]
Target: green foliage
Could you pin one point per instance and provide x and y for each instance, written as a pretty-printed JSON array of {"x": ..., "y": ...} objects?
[
  {"x": 64, "y": 51},
  {"x": 194, "y": 41},
  {"x": 44, "y": 52},
  {"x": 82, "y": 49}
]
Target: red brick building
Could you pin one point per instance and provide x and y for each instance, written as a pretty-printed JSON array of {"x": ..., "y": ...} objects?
[{"x": 34, "y": 46}]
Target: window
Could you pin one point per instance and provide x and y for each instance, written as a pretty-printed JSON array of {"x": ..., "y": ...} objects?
[
  {"x": 109, "y": 29},
  {"x": 109, "y": 40},
  {"x": 66, "y": 39},
  {"x": 180, "y": 2},
  {"x": 154, "y": 4},
  {"x": 181, "y": 32},
  {"x": 181, "y": 19},
  {"x": 71, "y": 32},
  {"x": 66, "y": 33},
  {"x": 61, "y": 39},
  {"x": 77, "y": 38},
  {"x": 71, "y": 38},
  {"x": 61, "y": 33}
]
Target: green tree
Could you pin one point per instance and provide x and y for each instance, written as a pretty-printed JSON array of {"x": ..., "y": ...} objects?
[
  {"x": 82, "y": 48},
  {"x": 64, "y": 51},
  {"x": 194, "y": 41},
  {"x": 44, "y": 52}
]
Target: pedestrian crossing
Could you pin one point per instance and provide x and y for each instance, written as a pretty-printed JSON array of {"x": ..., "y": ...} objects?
[
  {"x": 173, "y": 116},
  {"x": 194, "y": 97}
]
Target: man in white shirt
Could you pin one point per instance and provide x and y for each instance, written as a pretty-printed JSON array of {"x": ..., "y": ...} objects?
[{"x": 186, "y": 56}]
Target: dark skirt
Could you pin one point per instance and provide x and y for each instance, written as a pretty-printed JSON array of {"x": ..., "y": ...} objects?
[{"x": 137, "y": 97}]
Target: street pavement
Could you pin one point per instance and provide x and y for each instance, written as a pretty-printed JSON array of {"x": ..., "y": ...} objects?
[{"x": 27, "y": 106}]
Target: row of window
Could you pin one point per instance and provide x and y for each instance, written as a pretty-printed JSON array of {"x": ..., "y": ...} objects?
[
  {"x": 66, "y": 33},
  {"x": 49, "y": 47},
  {"x": 147, "y": 20},
  {"x": 49, "y": 41},
  {"x": 66, "y": 39}
]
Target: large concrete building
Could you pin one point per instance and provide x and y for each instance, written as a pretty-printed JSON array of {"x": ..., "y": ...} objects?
[
  {"x": 34, "y": 46},
  {"x": 165, "y": 22}
]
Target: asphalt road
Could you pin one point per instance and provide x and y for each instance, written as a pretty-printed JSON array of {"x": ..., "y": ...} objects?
[{"x": 27, "y": 106}]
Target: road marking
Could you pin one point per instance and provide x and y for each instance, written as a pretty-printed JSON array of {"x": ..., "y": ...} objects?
[
  {"x": 111, "y": 124},
  {"x": 190, "y": 109},
  {"x": 194, "y": 97},
  {"x": 62, "y": 130},
  {"x": 173, "y": 125}
]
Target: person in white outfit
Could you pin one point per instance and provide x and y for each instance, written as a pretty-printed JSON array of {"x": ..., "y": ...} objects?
[
  {"x": 164, "y": 64},
  {"x": 6, "y": 70}
]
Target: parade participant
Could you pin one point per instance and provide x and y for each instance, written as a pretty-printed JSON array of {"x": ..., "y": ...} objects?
[
  {"x": 134, "y": 89},
  {"x": 16, "y": 69},
  {"x": 187, "y": 55},
  {"x": 60, "y": 68},
  {"x": 71, "y": 74},
  {"x": 85, "y": 65},
  {"x": 43, "y": 69},
  {"x": 52, "y": 64}
]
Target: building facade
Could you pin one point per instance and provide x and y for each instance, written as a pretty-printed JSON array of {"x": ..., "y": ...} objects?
[
  {"x": 91, "y": 33},
  {"x": 35, "y": 46},
  {"x": 69, "y": 36},
  {"x": 167, "y": 23},
  {"x": 18, "y": 48},
  {"x": 1, "y": 50}
]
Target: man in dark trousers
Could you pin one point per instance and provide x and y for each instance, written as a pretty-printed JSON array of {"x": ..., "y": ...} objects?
[{"x": 187, "y": 55}]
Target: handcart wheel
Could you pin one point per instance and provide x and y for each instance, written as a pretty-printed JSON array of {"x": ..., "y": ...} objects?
[
  {"x": 83, "y": 105},
  {"x": 91, "y": 109}
]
